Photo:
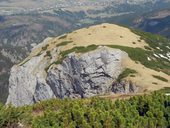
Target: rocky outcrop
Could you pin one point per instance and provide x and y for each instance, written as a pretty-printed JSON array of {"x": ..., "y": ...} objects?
[
  {"x": 78, "y": 76},
  {"x": 88, "y": 75},
  {"x": 124, "y": 87}
]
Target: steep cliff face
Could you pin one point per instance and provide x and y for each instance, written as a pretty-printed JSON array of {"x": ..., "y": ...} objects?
[
  {"x": 24, "y": 83},
  {"x": 87, "y": 75},
  {"x": 78, "y": 76}
]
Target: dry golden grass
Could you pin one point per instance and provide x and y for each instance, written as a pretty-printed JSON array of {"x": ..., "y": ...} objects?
[
  {"x": 109, "y": 34},
  {"x": 106, "y": 34},
  {"x": 144, "y": 78}
]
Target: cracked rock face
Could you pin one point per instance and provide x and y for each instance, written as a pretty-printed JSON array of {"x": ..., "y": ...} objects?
[
  {"x": 88, "y": 75},
  {"x": 124, "y": 87},
  {"x": 78, "y": 76}
]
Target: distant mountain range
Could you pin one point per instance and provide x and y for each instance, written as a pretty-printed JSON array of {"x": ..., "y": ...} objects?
[
  {"x": 155, "y": 22},
  {"x": 34, "y": 6}
]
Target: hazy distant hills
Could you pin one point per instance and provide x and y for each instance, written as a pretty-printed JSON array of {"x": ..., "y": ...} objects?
[
  {"x": 155, "y": 22},
  {"x": 27, "y": 6}
]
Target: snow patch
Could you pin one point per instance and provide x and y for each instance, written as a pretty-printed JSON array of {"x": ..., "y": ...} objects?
[
  {"x": 162, "y": 56},
  {"x": 168, "y": 47},
  {"x": 149, "y": 59},
  {"x": 159, "y": 48},
  {"x": 168, "y": 55},
  {"x": 167, "y": 94},
  {"x": 156, "y": 55}
]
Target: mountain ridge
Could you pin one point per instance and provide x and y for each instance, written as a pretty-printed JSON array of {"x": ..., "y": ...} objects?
[{"x": 62, "y": 66}]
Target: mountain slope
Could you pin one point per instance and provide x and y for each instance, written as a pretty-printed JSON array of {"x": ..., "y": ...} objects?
[
  {"x": 25, "y": 24},
  {"x": 89, "y": 62}
]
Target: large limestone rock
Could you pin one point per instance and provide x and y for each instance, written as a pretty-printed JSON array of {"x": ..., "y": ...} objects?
[
  {"x": 78, "y": 76},
  {"x": 26, "y": 85},
  {"x": 86, "y": 75}
]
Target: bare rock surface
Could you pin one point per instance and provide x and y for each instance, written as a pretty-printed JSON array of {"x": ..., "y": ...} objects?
[{"x": 78, "y": 76}]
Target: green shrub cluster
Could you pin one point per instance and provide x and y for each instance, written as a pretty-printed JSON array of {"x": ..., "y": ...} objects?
[
  {"x": 12, "y": 117},
  {"x": 159, "y": 45},
  {"x": 63, "y": 43},
  {"x": 160, "y": 78},
  {"x": 77, "y": 49},
  {"x": 45, "y": 47},
  {"x": 48, "y": 53},
  {"x": 141, "y": 55},
  {"x": 165, "y": 90},
  {"x": 126, "y": 73},
  {"x": 154, "y": 40},
  {"x": 147, "y": 111}
]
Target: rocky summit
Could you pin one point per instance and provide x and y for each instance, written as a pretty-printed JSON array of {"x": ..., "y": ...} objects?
[
  {"x": 81, "y": 76},
  {"x": 87, "y": 62}
]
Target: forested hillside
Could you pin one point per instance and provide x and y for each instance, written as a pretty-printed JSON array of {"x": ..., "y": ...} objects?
[{"x": 147, "y": 111}]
